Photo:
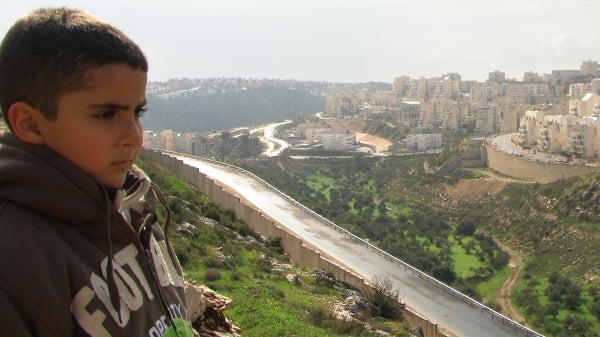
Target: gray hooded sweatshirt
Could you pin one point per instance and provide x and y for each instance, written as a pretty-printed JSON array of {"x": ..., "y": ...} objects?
[{"x": 79, "y": 260}]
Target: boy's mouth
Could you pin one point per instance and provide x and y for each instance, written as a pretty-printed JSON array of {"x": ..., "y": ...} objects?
[{"x": 123, "y": 163}]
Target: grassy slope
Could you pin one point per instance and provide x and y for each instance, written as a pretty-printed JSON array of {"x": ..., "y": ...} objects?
[{"x": 251, "y": 273}]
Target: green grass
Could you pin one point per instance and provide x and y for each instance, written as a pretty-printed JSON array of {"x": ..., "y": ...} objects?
[
  {"x": 427, "y": 244},
  {"x": 351, "y": 207},
  {"x": 266, "y": 304},
  {"x": 465, "y": 265},
  {"x": 321, "y": 183},
  {"x": 490, "y": 288}
]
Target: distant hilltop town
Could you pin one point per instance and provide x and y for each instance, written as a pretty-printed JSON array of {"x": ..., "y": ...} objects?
[{"x": 555, "y": 113}]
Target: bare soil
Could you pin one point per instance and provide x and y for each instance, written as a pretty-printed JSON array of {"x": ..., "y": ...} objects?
[
  {"x": 516, "y": 265},
  {"x": 380, "y": 144},
  {"x": 473, "y": 189}
]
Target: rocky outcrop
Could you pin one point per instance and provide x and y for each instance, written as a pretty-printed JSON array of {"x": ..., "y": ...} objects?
[{"x": 206, "y": 309}]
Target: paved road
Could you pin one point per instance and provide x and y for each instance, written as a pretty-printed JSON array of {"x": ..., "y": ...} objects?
[
  {"x": 454, "y": 315},
  {"x": 274, "y": 145}
]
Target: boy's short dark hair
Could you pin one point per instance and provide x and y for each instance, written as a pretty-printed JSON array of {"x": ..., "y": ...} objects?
[{"x": 48, "y": 52}]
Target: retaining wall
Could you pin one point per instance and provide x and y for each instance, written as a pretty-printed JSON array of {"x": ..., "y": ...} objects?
[
  {"x": 523, "y": 168},
  {"x": 297, "y": 251}
]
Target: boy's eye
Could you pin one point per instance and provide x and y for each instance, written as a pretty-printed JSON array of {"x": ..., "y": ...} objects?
[
  {"x": 106, "y": 115},
  {"x": 139, "y": 112}
]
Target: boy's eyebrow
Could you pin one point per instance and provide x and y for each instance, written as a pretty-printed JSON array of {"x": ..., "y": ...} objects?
[{"x": 117, "y": 106}]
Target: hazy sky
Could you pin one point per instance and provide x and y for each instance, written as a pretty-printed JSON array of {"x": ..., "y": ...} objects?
[{"x": 348, "y": 40}]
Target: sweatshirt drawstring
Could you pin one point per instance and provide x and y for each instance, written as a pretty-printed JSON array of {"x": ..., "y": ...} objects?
[
  {"x": 110, "y": 277},
  {"x": 163, "y": 201}
]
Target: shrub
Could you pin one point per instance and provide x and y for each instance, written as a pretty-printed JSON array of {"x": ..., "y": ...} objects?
[
  {"x": 236, "y": 276},
  {"x": 385, "y": 298},
  {"x": 212, "y": 274},
  {"x": 213, "y": 262},
  {"x": 275, "y": 244}
]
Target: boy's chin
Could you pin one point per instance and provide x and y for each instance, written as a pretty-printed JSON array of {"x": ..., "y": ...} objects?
[{"x": 115, "y": 183}]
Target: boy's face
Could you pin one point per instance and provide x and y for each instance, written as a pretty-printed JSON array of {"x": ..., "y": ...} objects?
[{"x": 98, "y": 127}]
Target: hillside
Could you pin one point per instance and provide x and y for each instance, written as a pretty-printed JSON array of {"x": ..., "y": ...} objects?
[
  {"x": 460, "y": 226},
  {"x": 205, "y": 104},
  {"x": 221, "y": 252}
]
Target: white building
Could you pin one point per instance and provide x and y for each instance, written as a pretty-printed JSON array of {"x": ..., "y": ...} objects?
[
  {"x": 339, "y": 142},
  {"x": 568, "y": 134},
  {"x": 423, "y": 142},
  {"x": 587, "y": 106}
]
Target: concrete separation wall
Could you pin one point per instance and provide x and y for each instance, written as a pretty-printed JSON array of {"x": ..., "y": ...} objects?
[
  {"x": 523, "y": 168},
  {"x": 293, "y": 245}
]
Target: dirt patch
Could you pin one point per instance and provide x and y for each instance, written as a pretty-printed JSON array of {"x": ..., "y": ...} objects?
[
  {"x": 473, "y": 189},
  {"x": 380, "y": 144},
  {"x": 469, "y": 189},
  {"x": 516, "y": 264}
]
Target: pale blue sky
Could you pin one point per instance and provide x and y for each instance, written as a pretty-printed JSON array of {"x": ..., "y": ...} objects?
[{"x": 348, "y": 40}]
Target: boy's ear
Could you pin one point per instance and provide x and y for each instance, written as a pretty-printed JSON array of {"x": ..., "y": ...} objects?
[{"x": 24, "y": 119}]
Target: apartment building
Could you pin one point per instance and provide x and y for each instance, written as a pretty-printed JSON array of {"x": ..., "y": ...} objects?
[
  {"x": 332, "y": 139},
  {"x": 339, "y": 142},
  {"x": 496, "y": 76},
  {"x": 580, "y": 89},
  {"x": 530, "y": 127},
  {"x": 487, "y": 120},
  {"x": 590, "y": 68},
  {"x": 562, "y": 76},
  {"x": 570, "y": 134},
  {"x": 588, "y": 105},
  {"x": 342, "y": 104},
  {"x": 424, "y": 142},
  {"x": 386, "y": 99},
  {"x": 171, "y": 141},
  {"x": 446, "y": 89},
  {"x": 451, "y": 119},
  {"x": 402, "y": 86},
  {"x": 530, "y": 76},
  {"x": 554, "y": 134},
  {"x": 419, "y": 88},
  {"x": 409, "y": 114},
  {"x": 433, "y": 114},
  {"x": 446, "y": 102}
]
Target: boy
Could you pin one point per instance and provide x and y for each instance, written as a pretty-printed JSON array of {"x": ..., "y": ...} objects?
[{"x": 81, "y": 251}]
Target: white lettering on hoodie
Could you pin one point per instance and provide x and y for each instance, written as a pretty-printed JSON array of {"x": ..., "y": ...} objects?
[{"x": 132, "y": 286}]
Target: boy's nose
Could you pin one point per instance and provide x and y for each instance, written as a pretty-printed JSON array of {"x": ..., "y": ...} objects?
[{"x": 131, "y": 133}]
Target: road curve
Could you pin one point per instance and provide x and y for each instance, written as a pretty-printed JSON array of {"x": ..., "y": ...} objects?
[{"x": 455, "y": 315}]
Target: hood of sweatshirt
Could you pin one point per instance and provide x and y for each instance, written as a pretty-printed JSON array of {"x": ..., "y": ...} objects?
[{"x": 37, "y": 178}]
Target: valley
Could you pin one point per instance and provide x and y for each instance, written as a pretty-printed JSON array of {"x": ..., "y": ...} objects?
[{"x": 435, "y": 222}]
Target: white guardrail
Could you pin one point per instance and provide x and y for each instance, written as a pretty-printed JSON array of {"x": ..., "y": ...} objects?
[{"x": 444, "y": 287}]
